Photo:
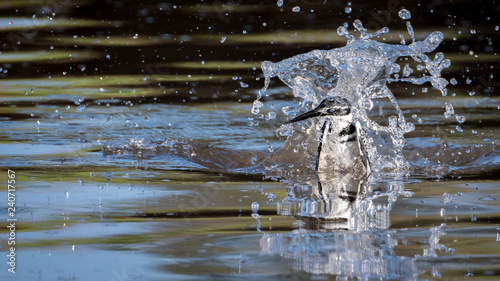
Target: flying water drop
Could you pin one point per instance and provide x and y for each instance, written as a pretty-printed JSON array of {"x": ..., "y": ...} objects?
[
  {"x": 448, "y": 110},
  {"x": 255, "y": 207},
  {"x": 404, "y": 14},
  {"x": 256, "y": 106}
]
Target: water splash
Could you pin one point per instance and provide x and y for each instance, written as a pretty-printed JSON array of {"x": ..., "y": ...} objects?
[{"x": 359, "y": 72}]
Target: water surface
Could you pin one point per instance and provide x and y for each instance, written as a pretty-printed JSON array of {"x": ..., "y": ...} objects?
[{"x": 137, "y": 157}]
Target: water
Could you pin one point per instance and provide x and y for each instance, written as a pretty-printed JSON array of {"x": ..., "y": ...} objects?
[
  {"x": 359, "y": 72},
  {"x": 137, "y": 156}
]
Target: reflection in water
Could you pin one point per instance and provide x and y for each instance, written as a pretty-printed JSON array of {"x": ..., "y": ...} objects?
[
  {"x": 359, "y": 254},
  {"x": 344, "y": 229},
  {"x": 343, "y": 202}
]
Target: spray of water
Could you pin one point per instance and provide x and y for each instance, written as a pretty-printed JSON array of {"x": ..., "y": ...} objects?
[{"x": 359, "y": 72}]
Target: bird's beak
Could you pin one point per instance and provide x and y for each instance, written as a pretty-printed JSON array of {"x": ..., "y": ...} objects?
[{"x": 313, "y": 113}]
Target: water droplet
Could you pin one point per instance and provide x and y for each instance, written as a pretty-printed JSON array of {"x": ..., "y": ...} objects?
[
  {"x": 453, "y": 81},
  {"x": 410, "y": 127},
  {"x": 473, "y": 31},
  {"x": 271, "y": 196},
  {"x": 447, "y": 198},
  {"x": 279, "y": 3},
  {"x": 407, "y": 70},
  {"x": 255, "y": 207},
  {"x": 254, "y": 160},
  {"x": 348, "y": 10},
  {"x": 404, "y": 14},
  {"x": 296, "y": 9},
  {"x": 243, "y": 85},
  {"x": 80, "y": 107},
  {"x": 402, "y": 41},
  {"x": 448, "y": 110},
  {"x": 460, "y": 119},
  {"x": 256, "y": 106}
]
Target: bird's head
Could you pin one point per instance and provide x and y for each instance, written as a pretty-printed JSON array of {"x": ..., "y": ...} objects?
[{"x": 330, "y": 106}]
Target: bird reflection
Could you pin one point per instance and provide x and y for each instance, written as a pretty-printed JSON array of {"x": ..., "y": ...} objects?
[
  {"x": 343, "y": 201},
  {"x": 343, "y": 228}
]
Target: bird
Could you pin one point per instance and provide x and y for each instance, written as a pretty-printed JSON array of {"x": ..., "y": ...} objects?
[{"x": 341, "y": 144}]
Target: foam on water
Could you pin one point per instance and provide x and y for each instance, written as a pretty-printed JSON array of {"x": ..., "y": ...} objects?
[{"x": 359, "y": 72}]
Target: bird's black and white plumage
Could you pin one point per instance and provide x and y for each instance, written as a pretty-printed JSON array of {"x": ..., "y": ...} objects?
[{"x": 340, "y": 146}]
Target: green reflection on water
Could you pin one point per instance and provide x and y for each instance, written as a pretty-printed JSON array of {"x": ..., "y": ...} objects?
[
  {"x": 58, "y": 56},
  {"x": 96, "y": 87},
  {"x": 114, "y": 40},
  {"x": 223, "y": 65},
  {"x": 14, "y": 23}
]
